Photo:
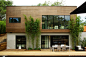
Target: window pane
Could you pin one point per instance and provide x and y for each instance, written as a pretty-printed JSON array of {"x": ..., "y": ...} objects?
[
  {"x": 50, "y": 22},
  {"x": 10, "y": 20},
  {"x": 14, "y": 20},
  {"x": 44, "y": 22},
  {"x": 56, "y": 22},
  {"x": 67, "y": 19},
  {"x": 44, "y": 42},
  {"x": 61, "y": 22}
]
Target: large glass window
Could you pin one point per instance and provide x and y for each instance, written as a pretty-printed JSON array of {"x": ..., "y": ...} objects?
[
  {"x": 67, "y": 19},
  {"x": 50, "y": 22},
  {"x": 14, "y": 20},
  {"x": 55, "y": 21},
  {"x": 44, "y": 22}
]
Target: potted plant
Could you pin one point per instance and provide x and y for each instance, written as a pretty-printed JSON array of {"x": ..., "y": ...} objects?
[
  {"x": 62, "y": 27},
  {"x": 35, "y": 49},
  {"x": 73, "y": 49}
]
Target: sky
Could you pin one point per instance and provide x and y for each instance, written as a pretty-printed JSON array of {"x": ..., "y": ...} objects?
[{"x": 65, "y": 2}]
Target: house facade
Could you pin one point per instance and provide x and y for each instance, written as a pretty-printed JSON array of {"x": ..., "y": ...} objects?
[{"x": 54, "y": 25}]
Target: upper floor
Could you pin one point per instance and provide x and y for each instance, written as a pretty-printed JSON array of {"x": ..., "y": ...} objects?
[{"x": 53, "y": 18}]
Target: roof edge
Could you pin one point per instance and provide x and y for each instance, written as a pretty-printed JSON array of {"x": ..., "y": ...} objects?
[{"x": 41, "y": 6}]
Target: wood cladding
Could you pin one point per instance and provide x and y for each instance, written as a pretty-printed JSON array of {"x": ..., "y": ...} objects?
[{"x": 35, "y": 12}]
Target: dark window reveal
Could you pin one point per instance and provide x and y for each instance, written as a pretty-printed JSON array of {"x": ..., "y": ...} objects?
[{"x": 14, "y": 20}]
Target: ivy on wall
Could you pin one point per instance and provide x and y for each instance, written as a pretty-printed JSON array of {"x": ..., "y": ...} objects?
[{"x": 32, "y": 30}]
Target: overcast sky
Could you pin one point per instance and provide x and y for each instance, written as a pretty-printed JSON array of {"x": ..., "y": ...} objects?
[{"x": 65, "y": 2}]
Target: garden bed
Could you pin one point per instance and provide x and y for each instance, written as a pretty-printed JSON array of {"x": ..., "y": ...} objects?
[
  {"x": 32, "y": 50},
  {"x": 2, "y": 34}
]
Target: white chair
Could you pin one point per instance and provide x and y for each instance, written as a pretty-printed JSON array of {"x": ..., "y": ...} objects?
[
  {"x": 63, "y": 48},
  {"x": 51, "y": 48},
  {"x": 59, "y": 48}
]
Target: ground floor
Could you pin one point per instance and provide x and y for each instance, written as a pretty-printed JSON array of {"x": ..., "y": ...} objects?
[{"x": 46, "y": 40}]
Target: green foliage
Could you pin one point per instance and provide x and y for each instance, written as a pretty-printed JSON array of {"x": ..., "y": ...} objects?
[
  {"x": 73, "y": 48},
  {"x": 75, "y": 27},
  {"x": 2, "y": 27},
  {"x": 3, "y": 4},
  {"x": 37, "y": 49},
  {"x": 29, "y": 48},
  {"x": 32, "y": 30},
  {"x": 57, "y": 3},
  {"x": 83, "y": 42}
]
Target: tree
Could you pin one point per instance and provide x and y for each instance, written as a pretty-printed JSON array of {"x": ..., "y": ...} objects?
[
  {"x": 75, "y": 27},
  {"x": 2, "y": 27},
  {"x": 57, "y": 3},
  {"x": 3, "y": 5},
  {"x": 32, "y": 28}
]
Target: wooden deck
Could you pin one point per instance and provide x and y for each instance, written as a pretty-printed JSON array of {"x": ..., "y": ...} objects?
[{"x": 22, "y": 52}]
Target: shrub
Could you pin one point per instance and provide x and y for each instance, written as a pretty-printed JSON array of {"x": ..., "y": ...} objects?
[
  {"x": 35, "y": 49},
  {"x": 2, "y": 27},
  {"x": 29, "y": 48},
  {"x": 39, "y": 48},
  {"x": 83, "y": 42},
  {"x": 73, "y": 48}
]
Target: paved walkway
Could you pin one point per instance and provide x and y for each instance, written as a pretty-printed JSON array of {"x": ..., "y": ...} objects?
[{"x": 42, "y": 53}]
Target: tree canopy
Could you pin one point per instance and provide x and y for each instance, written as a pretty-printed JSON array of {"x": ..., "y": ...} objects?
[
  {"x": 56, "y": 3},
  {"x": 3, "y": 4}
]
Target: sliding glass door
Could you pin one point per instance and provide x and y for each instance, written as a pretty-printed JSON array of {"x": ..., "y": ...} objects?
[{"x": 44, "y": 42}]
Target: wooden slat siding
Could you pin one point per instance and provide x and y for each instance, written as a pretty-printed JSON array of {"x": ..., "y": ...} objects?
[{"x": 35, "y": 12}]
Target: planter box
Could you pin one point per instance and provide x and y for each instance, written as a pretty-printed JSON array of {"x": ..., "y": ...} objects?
[
  {"x": 2, "y": 34},
  {"x": 73, "y": 49},
  {"x": 32, "y": 50}
]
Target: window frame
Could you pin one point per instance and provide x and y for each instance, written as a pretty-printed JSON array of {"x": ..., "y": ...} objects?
[{"x": 14, "y": 17}]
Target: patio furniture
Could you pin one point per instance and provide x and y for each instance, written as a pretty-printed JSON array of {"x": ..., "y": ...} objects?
[
  {"x": 63, "y": 48},
  {"x": 79, "y": 48},
  {"x": 51, "y": 48},
  {"x": 55, "y": 46},
  {"x": 59, "y": 48}
]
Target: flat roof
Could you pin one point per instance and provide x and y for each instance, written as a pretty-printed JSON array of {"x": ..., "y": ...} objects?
[{"x": 41, "y": 6}]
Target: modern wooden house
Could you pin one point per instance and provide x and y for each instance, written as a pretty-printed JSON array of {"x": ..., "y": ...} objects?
[{"x": 54, "y": 25}]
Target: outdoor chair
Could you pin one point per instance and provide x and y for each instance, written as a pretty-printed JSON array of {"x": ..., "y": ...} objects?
[
  {"x": 63, "y": 48},
  {"x": 79, "y": 48},
  {"x": 51, "y": 48},
  {"x": 59, "y": 48}
]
